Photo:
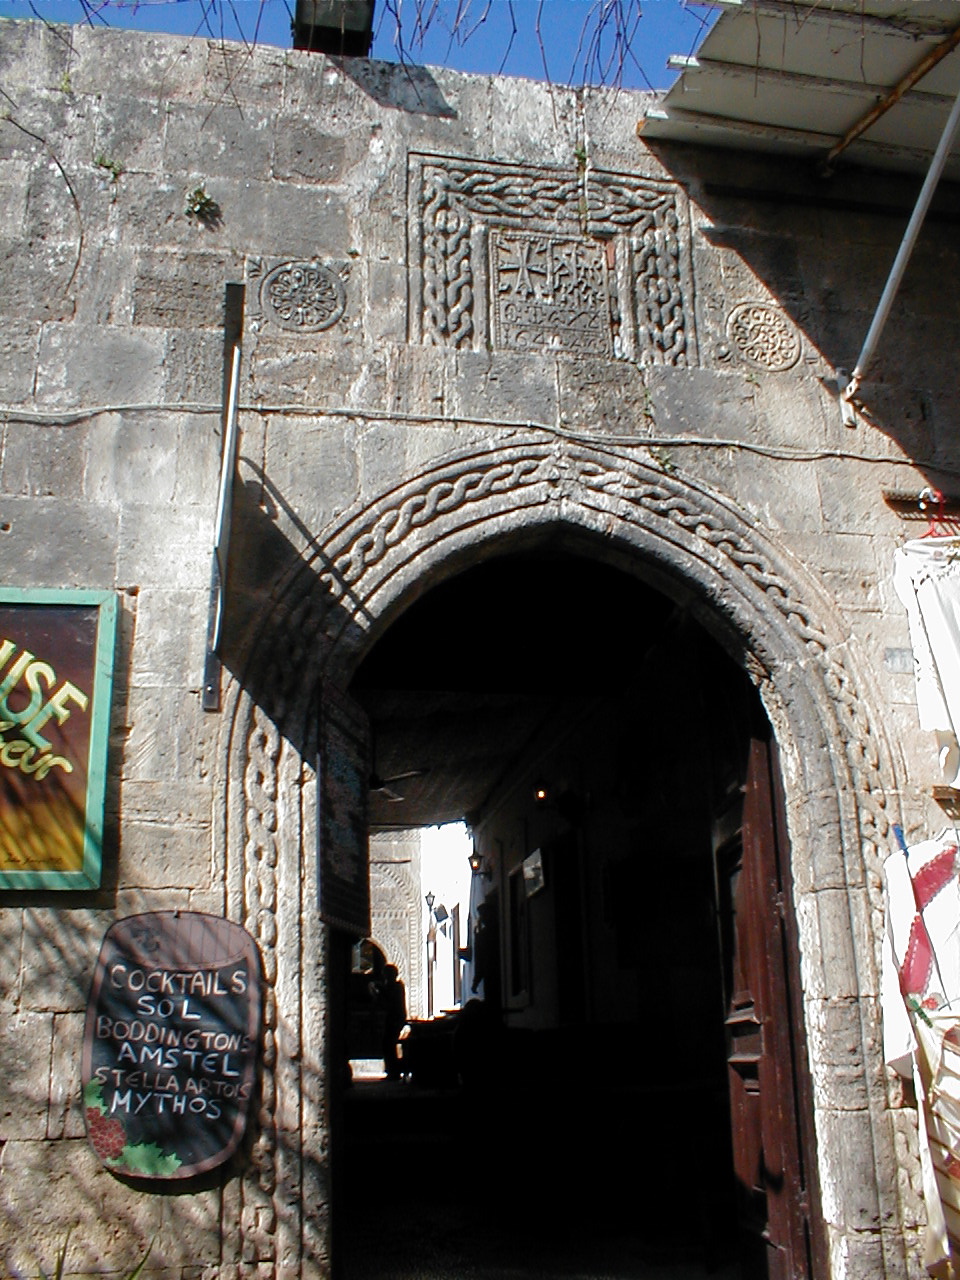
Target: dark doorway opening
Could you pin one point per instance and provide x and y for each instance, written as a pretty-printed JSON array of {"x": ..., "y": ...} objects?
[{"x": 629, "y": 1101}]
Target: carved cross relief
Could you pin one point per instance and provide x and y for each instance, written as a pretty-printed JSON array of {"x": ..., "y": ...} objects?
[{"x": 574, "y": 262}]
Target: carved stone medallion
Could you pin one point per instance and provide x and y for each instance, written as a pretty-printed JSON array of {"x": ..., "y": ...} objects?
[
  {"x": 763, "y": 336},
  {"x": 303, "y": 297},
  {"x": 580, "y": 262}
]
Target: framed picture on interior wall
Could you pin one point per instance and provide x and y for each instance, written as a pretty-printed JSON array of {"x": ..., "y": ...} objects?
[
  {"x": 56, "y": 681},
  {"x": 533, "y": 880}
]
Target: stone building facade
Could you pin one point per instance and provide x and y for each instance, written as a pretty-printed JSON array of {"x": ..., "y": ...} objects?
[{"x": 480, "y": 317}]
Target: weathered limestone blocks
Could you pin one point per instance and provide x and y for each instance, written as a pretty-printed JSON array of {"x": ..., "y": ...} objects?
[
  {"x": 613, "y": 341},
  {"x": 26, "y": 1042},
  {"x": 48, "y": 1189}
]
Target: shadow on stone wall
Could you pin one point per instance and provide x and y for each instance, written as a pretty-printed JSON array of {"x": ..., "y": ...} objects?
[
  {"x": 823, "y": 248},
  {"x": 281, "y": 606},
  {"x": 402, "y": 86}
]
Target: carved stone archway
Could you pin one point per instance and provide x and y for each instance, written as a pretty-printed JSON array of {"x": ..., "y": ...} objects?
[{"x": 755, "y": 598}]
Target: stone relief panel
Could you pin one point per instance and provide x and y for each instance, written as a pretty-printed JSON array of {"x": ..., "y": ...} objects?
[
  {"x": 578, "y": 263},
  {"x": 550, "y": 293},
  {"x": 296, "y": 295}
]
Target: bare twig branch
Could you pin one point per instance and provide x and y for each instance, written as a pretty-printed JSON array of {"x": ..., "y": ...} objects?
[
  {"x": 236, "y": 17},
  {"x": 543, "y": 51},
  {"x": 256, "y": 29},
  {"x": 393, "y": 8},
  {"x": 52, "y": 27},
  {"x": 632, "y": 40},
  {"x": 206, "y": 7},
  {"x": 513, "y": 32},
  {"x": 479, "y": 22},
  {"x": 91, "y": 11}
]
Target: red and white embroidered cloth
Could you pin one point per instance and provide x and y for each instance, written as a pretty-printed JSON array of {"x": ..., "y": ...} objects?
[{"x": 921, "y": 1019}]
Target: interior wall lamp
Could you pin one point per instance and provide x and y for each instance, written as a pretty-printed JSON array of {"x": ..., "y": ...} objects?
[{"x": 478, "y": 866}]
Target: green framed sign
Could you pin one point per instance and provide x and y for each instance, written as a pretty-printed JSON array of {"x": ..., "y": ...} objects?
[{"x": 56, "y": 679}]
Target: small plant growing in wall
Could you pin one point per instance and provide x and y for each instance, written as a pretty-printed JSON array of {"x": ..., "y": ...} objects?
[
  {"x": 111, "y": 168},
  {"x": 202, "y": 206},
  {"x": 662, "y": 459}
]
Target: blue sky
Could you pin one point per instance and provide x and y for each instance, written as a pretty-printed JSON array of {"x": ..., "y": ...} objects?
[{"x": 480, "y": 42}]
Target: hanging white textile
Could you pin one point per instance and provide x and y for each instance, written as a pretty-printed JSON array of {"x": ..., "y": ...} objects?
[
  {"x": 921, "y": 1023},
  {"x": 926, "y": 576}
]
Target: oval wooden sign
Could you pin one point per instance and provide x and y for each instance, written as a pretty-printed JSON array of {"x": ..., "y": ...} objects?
[{"x": 171, "y": 1043}]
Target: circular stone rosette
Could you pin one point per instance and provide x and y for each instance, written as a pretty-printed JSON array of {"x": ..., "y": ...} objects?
[
  {"x": 303, "y": 297},
  {"x": 763, "y": 336}
]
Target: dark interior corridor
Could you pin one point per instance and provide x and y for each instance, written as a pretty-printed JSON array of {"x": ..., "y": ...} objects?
[{"x": 590, "y": 1136}]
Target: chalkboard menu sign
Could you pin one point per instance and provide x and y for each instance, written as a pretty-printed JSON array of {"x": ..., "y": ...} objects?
[
  {"x": 170, "y": 1043},
  {"x": 343, "y": 770}
]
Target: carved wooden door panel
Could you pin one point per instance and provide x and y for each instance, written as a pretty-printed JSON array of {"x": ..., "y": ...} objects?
[{"x": 773, "y": 1204}]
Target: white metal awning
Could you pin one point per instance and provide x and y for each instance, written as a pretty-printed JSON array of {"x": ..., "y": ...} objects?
[{"x": 798, "y": 77}]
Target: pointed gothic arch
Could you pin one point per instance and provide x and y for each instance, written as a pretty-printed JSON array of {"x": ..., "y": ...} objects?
[{"x": 838, "y": 769}]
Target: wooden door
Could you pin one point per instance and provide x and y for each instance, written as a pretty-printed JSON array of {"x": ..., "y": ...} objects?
[{"x": 763, "y": 1022}]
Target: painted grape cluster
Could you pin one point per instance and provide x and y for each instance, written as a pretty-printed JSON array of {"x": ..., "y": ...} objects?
[
  {"x": 107, "y": 1135},
  {"x": 109, "y": 1140}
]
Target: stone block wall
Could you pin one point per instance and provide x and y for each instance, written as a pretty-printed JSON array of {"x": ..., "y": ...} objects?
[{"x": 403, "y": 235}]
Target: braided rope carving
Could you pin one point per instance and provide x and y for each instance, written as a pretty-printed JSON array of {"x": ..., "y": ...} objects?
[
  {"x": 447, "y": 270},
  {"x": 510, "y": 195},
  {"x": 258, "y": 1214},
  {"x": 659, "y": 294},
  {"x": 421, "y": 508},
  {"x": 455, "y": 198},
  {"x": 614, "y": 199}
]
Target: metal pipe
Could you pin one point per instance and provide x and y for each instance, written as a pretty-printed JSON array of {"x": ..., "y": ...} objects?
[
  {"x": 906, "y": 248},
  {"x": 232, "y": 336},
  {"x": 228, "y": 465}
]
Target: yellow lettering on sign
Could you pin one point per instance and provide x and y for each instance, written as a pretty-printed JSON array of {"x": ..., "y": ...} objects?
[
  {"x": 32, "y": 754},
  {"x": 55, "y": 706},
  {"x": 17, "y": 753}
]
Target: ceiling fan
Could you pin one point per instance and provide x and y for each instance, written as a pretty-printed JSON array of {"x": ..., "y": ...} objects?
[{"x": 383, "y": 787}]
